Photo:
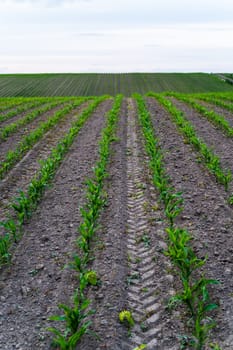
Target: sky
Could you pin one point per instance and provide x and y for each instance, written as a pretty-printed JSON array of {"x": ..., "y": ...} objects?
[{"x": 72, "y": 36}]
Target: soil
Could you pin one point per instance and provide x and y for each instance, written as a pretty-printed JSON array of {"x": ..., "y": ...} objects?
[
  {"x": 13, "y": 140},
  {"x": 206, "y": 212},
  {"x": 20, "y": 176},
  {"x": 221, "y": 144},
  {"x": 15, "y": 117},
  {"x": 219, "y": 110},
  {"x": 129, "y": 245},
  {"x": 36, "y": 281}
]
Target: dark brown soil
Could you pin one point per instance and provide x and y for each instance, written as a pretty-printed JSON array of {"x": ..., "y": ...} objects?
[
  {"x": 121, "y": 255},
  {"x": 130, "y": 241},
  {"x": 36, "y": 282},
  {"x": 14, "y": 118},
  {"x": 13, "y": 140},
  {"x": 214, "y": 137},
  {"x": 20, "y": 176},
  {"x": 219, "y": 110},
  {"x": 206, "y": 212}
]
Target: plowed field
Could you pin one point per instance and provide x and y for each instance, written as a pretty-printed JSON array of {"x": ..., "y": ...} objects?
[{"x": 137, "y": 201}]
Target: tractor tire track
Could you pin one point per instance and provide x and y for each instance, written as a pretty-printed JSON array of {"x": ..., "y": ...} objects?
[{"x": 145, "y": 281}]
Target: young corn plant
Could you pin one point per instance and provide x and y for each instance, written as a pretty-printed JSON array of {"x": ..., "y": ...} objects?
[
  {"x": 4, "y": 249},
  {"x": 90, "y": 214},
  {"x": 194, "y": 294},
  {"x": 75, "y": 319},
  {"x": 13, "y": 127},
  {"x": 11, "y": 228},
  {"x": 25, "y": 203},
  {"x": 172, "y": 201},
  {"x": 23, "y": 108},
  {"x": 215, "y": 118},
  {"x": 13, "y": 156},
  {"x": 126, "y": 318},
  {"x": 212, "y": 162}
]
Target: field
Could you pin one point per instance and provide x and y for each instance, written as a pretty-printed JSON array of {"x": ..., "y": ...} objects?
[
  {"x": 99, "y": 84},
  {"x": 116, "y": 214}
]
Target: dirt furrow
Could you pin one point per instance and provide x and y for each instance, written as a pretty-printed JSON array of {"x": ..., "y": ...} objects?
[
  {"x": 36, "y": 282},
  {"x": 20, "y": 176},
  {"x": 206, "y": 214},
  {"x": 13, "y": 141},
  {"x": 18, "y": 115},
  {"x": 120, "y": 255},
  {"x": 109, "y": 252},
  {"x": 219, "y": 110},
  {"x": 21, "y": 115},
  {"x": 210, "y": 134}
]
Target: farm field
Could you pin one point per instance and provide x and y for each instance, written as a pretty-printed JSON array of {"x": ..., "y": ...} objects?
[
  {"x": 116, "y": 218},
  {"x": 92, "y": 84}
]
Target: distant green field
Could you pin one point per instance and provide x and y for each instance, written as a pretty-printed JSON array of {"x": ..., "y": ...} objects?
[{"x": 98, "y": 84}]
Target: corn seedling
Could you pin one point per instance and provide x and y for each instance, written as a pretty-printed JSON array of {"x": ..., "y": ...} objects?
[
  {"x": 13, "y": 127},
  {"x": 12, "y": 157},
  {"x": 25, "y": 203},
  {"x": 76, "y": 323},
  {"x": 194, "y": 294},
  {"x": 90, "y": 213},
  {"x": 126, "y": 318},
  {"x": 215, "y": 118},
  {"x": 10, "y": 228},
  {"x": 92, "y": 278},
  {"x": 211, "y": 160},
  {"x": 4, "y": 249},
  {"x": 140, "y": 347}
]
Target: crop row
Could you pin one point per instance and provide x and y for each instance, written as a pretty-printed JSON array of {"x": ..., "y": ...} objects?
[
  {"x": 213, "y": 117},
  {"x": 76, "y": 317},
  {"x": 8, "y": 103},
  {"x": 210, "y": 159},
  {"x": 98, "y": 84},
  {"x": 195, "y": 293},
  {"x": 23, "y": 108},
  {"x": 25, "y": 203},
  {"x": 11, "y": 128},
  {"x": 12, "y": 157},
  {"x": 215, "y": 100}
]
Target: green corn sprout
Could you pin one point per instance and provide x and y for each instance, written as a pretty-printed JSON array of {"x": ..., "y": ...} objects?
[{"x": 126, "y": 317}]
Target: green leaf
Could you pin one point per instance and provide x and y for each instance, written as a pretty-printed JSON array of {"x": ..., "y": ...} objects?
[{"x": 210, "y": 307}]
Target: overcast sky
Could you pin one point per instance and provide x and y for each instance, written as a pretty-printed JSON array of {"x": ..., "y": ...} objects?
[{"x": 116, "y": 36}]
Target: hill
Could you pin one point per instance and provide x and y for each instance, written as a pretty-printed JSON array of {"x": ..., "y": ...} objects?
[{"x": 87, "y": 84}]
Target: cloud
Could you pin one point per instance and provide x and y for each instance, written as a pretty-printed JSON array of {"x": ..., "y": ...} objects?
[
  {"x": 43, "y": 3},
  {"x": 78, "y": 35},
  {"x": 4, "y": 70},
  {"x": 90, "y": 35}
]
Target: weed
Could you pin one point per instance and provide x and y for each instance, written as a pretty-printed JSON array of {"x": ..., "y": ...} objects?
[
  {"x": 143, "y": 326},
  {"x": 131, "y": 278},
  {"x": 146, "y": 240}
]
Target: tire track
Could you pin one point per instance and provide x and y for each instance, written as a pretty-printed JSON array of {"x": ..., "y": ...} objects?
[{"x": 144, "y": 281}]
